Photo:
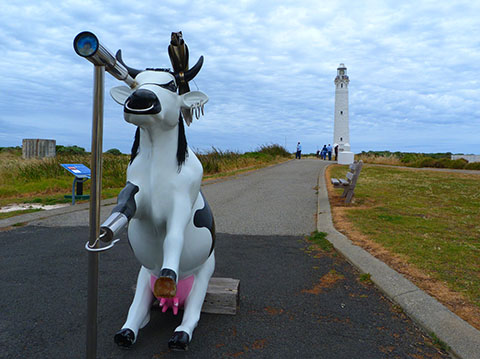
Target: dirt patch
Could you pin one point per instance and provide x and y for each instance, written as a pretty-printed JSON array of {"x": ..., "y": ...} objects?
[
  {"x": 456, "y": 302},
  {"x": 327, "y": 281},
  {"x": 273, "y": 311}
]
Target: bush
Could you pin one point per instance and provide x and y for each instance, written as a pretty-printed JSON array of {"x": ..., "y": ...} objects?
[
  {"x": 69, "y": 150},
  {"x": 456, "y": 164},
  {"x": 472, "y": 166},
  {"x": 274, "y": 150},
  {"x": 114, "y": 151}
]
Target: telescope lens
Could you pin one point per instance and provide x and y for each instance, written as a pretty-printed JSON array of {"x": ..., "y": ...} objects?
[{"x": 85, "y": 44}]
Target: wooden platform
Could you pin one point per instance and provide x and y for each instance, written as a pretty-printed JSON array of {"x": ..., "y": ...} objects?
[{"x": 222, "y": 296}]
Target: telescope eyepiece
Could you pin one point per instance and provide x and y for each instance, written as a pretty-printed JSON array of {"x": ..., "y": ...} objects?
[{"x": 85, "y": 44}]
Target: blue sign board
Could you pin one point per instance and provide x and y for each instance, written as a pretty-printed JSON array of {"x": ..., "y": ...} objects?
[{"x": 77, "y": 169}]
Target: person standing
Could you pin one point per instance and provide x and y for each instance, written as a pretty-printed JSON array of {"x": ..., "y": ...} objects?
[
  {"x": 336, "y": 152},
  {"x": 329, "y": 150},
  {"x": 323, "y": 153},
  {"x": 299, "y": 151}
]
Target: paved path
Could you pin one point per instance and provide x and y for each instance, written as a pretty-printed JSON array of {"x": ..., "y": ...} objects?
[{"x": 294, "y": 303}]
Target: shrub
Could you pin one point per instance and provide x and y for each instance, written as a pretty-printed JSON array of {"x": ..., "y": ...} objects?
[
  {"x": 274, "y": 150},
  {"x": 70, "y": 150},
  {"x": 114, "y": 151},
  {"x": 472, "y": 166}
]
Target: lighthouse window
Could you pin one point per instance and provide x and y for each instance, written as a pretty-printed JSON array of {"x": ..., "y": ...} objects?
[
  {"x": 341, "y": 85},
  {"x": 341, "y": 112}
]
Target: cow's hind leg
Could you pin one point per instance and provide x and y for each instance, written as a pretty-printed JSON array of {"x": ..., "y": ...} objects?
[
  {"x": 193, "y": 306},
  {"x": 139, "y": 312}
]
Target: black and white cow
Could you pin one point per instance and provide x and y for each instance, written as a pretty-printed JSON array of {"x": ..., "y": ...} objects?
[{"x": 171, "y": 228}]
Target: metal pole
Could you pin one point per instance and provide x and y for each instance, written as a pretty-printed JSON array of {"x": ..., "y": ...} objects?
[{"x": 95, "y": 196}]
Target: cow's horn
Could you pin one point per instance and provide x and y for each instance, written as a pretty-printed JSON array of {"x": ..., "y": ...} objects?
[
  {"x": 131, "y": 71},
  {"x": 190, "y": 74}
]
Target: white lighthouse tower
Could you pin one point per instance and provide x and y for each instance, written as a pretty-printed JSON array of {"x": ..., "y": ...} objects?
[{"x": 341, "y": 132}]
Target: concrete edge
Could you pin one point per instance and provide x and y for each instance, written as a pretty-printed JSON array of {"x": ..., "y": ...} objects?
[
  {"x": 427, "y": 312},
  {"x": 35, "y": 216}
]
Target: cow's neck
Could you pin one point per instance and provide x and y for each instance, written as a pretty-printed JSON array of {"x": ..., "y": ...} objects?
[{"x": 159, "y": 146}]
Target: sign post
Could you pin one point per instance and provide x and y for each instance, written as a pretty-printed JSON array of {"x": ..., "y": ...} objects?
[
  {"x": 87, "y": 45},
  {"x": 81, "y": 173}
]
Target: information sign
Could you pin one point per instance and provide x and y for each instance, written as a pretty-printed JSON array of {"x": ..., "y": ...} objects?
[{"x": 77, "y": 169}]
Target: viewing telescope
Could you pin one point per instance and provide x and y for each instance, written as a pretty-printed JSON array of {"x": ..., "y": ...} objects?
[{"x": 87, "y": 45}]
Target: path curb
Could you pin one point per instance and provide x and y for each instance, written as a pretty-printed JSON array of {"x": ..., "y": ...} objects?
[
  {"x": 431, "y": 315},
  {"x": 35, "y": 216}
]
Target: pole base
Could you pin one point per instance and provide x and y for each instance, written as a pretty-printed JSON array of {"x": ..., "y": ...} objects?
[{"x": 345, "y": 158}]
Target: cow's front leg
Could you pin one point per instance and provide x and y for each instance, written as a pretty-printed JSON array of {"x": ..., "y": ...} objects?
[
  {"x": 139, "y": 312},
  {"x": 166, "y": 284}
]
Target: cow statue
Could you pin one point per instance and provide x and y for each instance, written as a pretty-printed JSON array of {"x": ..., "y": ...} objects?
[{"x": 170, "y": 225}]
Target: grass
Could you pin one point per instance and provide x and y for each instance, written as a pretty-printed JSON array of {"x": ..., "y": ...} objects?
[
  {"x": 365, "y": 277},
  {"x": 430, "y": 218},
  {"x": 439, "y": 343},
  {"x": 319, "y": 239},
  {"x": 45, "y": 181}
]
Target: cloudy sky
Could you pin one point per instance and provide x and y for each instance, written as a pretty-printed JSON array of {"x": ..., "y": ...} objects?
[{"x": 269, "y": 68}]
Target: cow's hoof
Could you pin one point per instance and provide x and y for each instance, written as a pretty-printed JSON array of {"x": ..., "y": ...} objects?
[
  {"x": 125, "y": 338},
  {"x": 179, "y": 341},
  {"x": 166, "y": 284}
]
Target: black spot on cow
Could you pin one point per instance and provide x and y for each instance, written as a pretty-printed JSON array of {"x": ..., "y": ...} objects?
[{"x": 204, "y": 218}]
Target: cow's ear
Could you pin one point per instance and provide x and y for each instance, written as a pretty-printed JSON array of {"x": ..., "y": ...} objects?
[
  {"x": 120, "y": 94},
  {"x": 193, "y": 99}
]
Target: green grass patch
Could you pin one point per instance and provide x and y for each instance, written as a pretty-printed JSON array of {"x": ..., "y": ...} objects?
[
  {"x": 319, "y": 239},
  {"x": 429, "y": 217},
  {"x": 439, "y": 343},
  {"x": 365, "y": 278}
]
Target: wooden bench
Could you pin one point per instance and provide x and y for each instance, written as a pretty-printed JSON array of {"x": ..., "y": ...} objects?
[{"x": 348, "y": 184}]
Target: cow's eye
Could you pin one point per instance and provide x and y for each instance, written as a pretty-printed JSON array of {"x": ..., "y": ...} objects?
[{"x": 170, "y": 86}]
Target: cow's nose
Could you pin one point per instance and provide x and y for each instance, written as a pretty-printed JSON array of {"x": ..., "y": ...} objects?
[{"x": 143, "y": 101}]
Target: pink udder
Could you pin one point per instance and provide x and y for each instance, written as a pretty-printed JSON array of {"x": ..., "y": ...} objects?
[{"x": 184, "y": 286}]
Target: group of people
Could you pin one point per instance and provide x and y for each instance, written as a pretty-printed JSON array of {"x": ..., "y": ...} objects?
[{"x": 326, "y": 151}]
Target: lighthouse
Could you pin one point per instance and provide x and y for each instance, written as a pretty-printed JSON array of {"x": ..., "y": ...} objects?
[{"x": 341, "y": 132}]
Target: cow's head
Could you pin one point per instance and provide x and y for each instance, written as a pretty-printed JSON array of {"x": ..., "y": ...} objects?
[{"x": 154, "y": 100}]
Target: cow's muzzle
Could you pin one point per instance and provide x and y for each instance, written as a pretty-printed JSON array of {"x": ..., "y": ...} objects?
[{"x": 142, "y": 102}]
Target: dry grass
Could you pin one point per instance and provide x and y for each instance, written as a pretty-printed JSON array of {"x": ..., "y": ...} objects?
[{"x": 382, "y": 160}]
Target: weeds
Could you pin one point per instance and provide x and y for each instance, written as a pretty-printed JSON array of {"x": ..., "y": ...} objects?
[
  {"x": 321, "y": 241},
  {"x": 365, "y": 278},
  {"x": 439, "y": 343}
]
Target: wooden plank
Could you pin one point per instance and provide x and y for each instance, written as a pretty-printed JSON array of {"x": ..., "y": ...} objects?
[
  {"x": 349, "y": 176},
  {"x": 222, "y": 296},
  {"x": 344, "y": 182},
  {"x": 335, "y": 181}
]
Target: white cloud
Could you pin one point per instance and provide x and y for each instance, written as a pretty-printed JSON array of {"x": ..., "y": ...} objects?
[{"x": 269, "y": 70}]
